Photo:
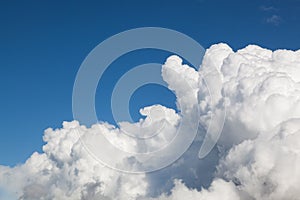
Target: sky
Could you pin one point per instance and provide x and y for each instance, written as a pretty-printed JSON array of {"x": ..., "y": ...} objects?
[{"x": 44, "y": 43}]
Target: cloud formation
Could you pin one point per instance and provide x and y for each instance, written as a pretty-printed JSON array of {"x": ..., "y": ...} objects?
[
  {"x": 274, "y": 20},
  {"x": 268, "y": 8},
  {"x": 257, "y": 156}
]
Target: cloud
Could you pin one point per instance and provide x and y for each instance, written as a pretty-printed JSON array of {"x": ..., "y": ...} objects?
[
  {"x": 268, "y": 167},
  {"x": 274, "y": 20},
  {"x": 219, "y": 189},
  {"x": 259, "y": 147},
  {"x": 257, "y": 156},
  {"x": 268, "y": 8}
]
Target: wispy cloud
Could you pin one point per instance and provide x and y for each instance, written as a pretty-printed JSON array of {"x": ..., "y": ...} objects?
[
  {"x": 274, "y": 20},
  {"x": 272, "y": 15},
  {"x": 268, "y": 8}
]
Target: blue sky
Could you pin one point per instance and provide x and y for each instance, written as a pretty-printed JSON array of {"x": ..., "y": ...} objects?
[{"x": 42, "y": 44}]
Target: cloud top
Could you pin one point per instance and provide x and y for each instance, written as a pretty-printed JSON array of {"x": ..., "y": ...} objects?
[{"x": 257, "y": 156}]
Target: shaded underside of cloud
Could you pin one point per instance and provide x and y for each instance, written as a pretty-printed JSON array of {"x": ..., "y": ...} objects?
[{"x": 257, "y": 156}]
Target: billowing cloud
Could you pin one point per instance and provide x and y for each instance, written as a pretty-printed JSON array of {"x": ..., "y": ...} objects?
[{"x": 257, "y": 156}]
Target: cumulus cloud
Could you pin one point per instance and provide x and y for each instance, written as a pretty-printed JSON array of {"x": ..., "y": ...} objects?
[
  {"x": 257, "y": 156},
  {"x": 268, "y": 167}
]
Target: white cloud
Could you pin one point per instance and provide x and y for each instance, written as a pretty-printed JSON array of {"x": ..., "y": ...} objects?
[
  {"x": 268, "y": 8},
  {"x": 268, "y": 167},
  {"x": 257, "y": 157},
  {"x": 274, "y": 20},
  {"x": 219, "y": 189}
]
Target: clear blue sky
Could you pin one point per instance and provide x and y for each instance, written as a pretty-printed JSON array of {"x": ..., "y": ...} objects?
[{"x": 42, "y": 44}]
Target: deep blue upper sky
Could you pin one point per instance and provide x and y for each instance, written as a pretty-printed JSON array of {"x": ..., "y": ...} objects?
[{"x": 42, "y": 44}]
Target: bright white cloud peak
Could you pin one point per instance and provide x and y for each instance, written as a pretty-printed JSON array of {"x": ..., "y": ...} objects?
[{"x": 257, "y": 156}]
